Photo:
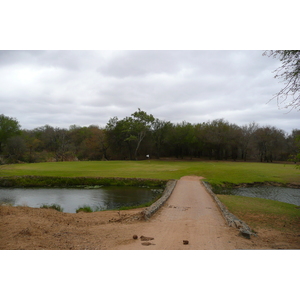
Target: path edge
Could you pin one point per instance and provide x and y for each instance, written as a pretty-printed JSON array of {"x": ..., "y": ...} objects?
[
  {"x": 230, "y": 218},
  {"x": 149, "y": 211}
]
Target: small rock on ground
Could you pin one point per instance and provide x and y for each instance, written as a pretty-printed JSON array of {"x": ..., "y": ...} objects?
[
  {"x": 146, "y": 238},
  {"x": 147, "y": 244}
]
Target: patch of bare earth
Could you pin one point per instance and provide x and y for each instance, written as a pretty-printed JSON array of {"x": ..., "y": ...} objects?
[{"x": 190, "y": 219}]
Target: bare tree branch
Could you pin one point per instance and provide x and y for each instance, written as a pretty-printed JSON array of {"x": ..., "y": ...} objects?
[{"x": 289, "y": 72}]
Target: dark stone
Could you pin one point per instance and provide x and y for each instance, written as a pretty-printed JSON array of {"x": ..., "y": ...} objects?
[
  {"x": 147, "y": 244},
  {"x": 185, "y": 242},
  {"x": 135, "y": 237},
  {"x": 245, "y": 233},
  {"x": 146, "y": 238}
]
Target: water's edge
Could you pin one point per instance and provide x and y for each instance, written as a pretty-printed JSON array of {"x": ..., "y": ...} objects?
[
  {"x": 276, "y": 192},
  {"x": 149, "y": 211},
  {"x": 231, "y": 219}
]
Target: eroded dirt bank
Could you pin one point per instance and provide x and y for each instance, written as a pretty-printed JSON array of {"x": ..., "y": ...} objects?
[{"x": 190, "y": 214}]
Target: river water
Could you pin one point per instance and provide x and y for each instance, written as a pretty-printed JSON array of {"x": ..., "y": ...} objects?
[
  {"x": 282, "y": 194},
  {"x": 70, "y": 198}
]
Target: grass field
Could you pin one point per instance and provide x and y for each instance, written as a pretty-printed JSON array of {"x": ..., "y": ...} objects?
[{"x": 214, "y": 172}]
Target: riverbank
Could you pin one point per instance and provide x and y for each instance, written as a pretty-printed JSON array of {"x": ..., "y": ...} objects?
[
  {"x": 264, "y": 213},
  {"x": 25, "y": 228},
  {"x": 35, "y": 228}
]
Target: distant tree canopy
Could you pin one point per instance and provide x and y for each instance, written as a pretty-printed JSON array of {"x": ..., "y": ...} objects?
[
  {"x": 140, "y": 134},
  {"x": 9, "y": 127},
  {"x": 289, "y": 73}
]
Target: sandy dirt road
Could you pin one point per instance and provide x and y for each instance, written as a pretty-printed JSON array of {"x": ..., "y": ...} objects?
[{"x": 189, "y": 214}]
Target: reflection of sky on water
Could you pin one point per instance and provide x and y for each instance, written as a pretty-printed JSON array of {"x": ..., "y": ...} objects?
[
  {"x": 282, "y": 194},
  {"x": 71, "y": 199}
]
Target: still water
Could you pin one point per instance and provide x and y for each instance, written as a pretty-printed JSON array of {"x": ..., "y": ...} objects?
[
  {"x": 282, "y": 194},
  {"x": 70, "y": 199}
]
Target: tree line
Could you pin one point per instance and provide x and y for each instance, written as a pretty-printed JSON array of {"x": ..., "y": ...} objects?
[{"x": 140, "y": 136}]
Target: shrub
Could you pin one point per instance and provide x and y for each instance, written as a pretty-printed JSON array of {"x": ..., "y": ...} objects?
[
  {"x": 84, "y": 208},
  {"x": 53, "y": 206}
]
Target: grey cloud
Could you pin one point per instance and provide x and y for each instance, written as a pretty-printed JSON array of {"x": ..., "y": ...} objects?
[
  {"x": 12, "y": 57},
  {"x": 75, "y": 60},
  {"x": 142, "y": 63},
  {"x": 62, "y": 88}
]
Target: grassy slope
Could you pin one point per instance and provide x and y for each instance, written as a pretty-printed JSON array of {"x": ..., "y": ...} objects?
[
  {"x": 214, "y": 172},
  {"x": 264, "y": 213}
]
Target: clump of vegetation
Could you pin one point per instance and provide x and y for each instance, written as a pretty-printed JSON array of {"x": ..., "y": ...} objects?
[
  {"x": 6, "y": 204},
  {"x": 53, "y": 206},
  {"x": 93, "y": 187},
  {"x": 136, "y": 206},
  {"x": 84, "y": 208}
]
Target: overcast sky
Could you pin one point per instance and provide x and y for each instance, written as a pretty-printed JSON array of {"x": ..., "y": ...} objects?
[{"x": 62, "y": 88}]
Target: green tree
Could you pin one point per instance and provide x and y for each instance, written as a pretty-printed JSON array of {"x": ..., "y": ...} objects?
[
  {"x": 182, "y": 140},
  {"x": 96, "y": 144},
  {"x": 32, "y": 144},
  {"x": 160, "y": 132},
  {"x": 270, "y": 143},
  {"x": 9, "y": 127},
  {"x": 14, "y": 149},
  {"x": 289, "y": 73},
  {"x": 293, "y": 141},
  {"x": 129, "y": 131},
  {"x": 78, "y": 140},
  {"x": 216, "y": 138},
  {"x": 61, "y": 143},
  {"x": 141, "y": 125},
  {"x": 246, "y": 139}
]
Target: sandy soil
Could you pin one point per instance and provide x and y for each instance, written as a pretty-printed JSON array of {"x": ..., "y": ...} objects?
[{"x": 189, "y": 215}]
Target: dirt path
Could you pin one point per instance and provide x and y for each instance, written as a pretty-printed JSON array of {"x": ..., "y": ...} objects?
[{"x": 189, "y": 214}]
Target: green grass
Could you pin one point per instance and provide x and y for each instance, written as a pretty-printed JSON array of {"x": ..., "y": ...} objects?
[
  {"x": 214, "y": 172},
  {"x": 264, "y": 213},
  {"x": 84, "y": 208},
  {"x": 52, "y": 206}
]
